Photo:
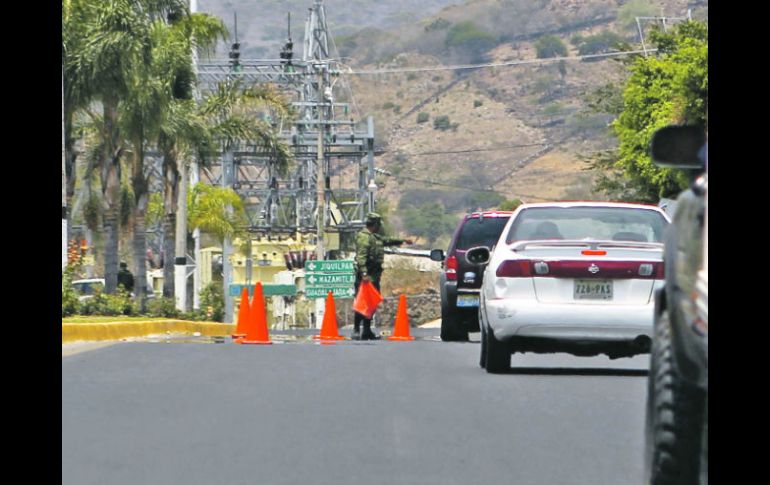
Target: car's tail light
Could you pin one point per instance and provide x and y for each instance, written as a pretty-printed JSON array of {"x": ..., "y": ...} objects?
[
  {"x": 524, "y": 268},
  {"x": 593, "y": 252},
  {"x": 451, "y": 268},
  {"x": 520, "y": 268}
]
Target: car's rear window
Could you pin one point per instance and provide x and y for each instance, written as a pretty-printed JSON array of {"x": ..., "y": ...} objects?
[
  {"x": 480, "y": 231},
  {"x": 605, "y": 223}
]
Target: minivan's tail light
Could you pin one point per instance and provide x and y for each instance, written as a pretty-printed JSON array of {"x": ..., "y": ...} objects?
[
  {"x": 451, "y": 268},
  {"x": 515, "y": 269}
]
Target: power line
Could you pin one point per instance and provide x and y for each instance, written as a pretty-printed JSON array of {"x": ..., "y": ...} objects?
[
  {"x": 498, "y": 64},
  {"x": 472, "y": 150}
]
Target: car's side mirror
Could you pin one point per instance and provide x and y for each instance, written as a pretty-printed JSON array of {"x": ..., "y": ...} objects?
[
  {"x": 678, "y": 147},
  {"x": 477, "y": 255},
  {"x": 437, "y": 255}
]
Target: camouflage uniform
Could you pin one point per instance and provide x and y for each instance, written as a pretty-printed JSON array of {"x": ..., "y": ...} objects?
[{"x": 370, "y": 255}]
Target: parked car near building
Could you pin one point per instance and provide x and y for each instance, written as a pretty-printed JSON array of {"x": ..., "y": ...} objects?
[
  {"x": 572, "y": 277},
  {"x": 677, "y": 398},
  {"x": 88, "y": 287},
  {"x": 459, "y": 280}
]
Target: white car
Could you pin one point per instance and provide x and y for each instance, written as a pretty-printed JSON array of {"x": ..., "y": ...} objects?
[
  {"x": 574, "y": 277},
  {"x": 87, "y": 288}
]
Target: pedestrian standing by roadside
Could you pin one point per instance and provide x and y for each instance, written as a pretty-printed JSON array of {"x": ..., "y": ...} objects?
[
  {"x": 125, "y": 278},
  {"x": 370, "y": 256}
]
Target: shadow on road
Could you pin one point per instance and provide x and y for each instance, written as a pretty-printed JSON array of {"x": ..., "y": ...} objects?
[{"x": 576, "y": 371}]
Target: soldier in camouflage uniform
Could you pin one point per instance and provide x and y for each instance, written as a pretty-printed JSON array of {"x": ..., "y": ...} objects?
[{"x": 370, "y": 254}]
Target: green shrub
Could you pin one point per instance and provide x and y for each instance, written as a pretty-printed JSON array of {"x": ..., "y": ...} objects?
[
  {"x": 69, "y": 297},
  {"x": 162, "y": 307},
  {"x": 477, "y": 103},
  {"x": 423, "y": 117},
  {"x": 442, "y": 123},
  {"x": 411, "y": 76},
  {"x": 213, "y": 302},
  {"x": 397, "y": 109},
  {"x": 550, "y": 46},
  {"x": 596, "y": 44},
  {"x": 388, "y": 105},
  {"x": 510, "y": 204},
  {"x": 108, "y": 305}
]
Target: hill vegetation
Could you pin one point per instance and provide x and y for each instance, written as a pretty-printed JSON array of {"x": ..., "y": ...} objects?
[{"x": 477, "y": 138}]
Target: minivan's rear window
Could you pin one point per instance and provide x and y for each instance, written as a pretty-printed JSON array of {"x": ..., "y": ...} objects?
[
  {"x": 481, "y": 231},
  {"x": 604, "y": 223}
]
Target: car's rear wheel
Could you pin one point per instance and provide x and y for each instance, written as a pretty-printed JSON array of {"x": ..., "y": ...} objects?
[
  {"x": 674, "y": 417},
  {"x": 498, "y": 354},
  {"x": 483, "y": 356},
  {"x": 451, "y": 325}
]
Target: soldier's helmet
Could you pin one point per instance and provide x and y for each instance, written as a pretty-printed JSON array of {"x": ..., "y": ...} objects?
[{"x": 373, "y": 218}]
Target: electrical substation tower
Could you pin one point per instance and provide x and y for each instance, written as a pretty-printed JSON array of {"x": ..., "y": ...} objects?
[
  {"x": 312, "y": 201},
  {"x": 325, "y": 141}
]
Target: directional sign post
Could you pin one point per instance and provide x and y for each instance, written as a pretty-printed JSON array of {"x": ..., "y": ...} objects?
[
  {"x": 336, "y": 266},
  {"x": 336, "y": 276}
]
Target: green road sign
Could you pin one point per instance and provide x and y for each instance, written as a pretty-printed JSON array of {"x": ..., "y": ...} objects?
[
  {"x": 337, "y": 292},
  {"x": 334, "y": 266},
  {"x": 334, "y": 279},
  {"x": 268, "y": 289}
]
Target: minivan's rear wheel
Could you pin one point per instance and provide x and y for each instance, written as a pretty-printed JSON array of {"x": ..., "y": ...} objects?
[
  {"x": 451, "y": 325},
  {"x": 498, "y": 354},
  {"x": 674, "y": 417}
]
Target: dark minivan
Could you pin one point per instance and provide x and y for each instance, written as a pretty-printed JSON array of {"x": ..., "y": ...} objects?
[{"x": 460, "y": 281}]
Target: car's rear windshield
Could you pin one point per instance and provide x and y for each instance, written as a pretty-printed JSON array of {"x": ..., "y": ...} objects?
[
  {"x": 480, "y": 231},
  {"x": 605, "y": 223}
]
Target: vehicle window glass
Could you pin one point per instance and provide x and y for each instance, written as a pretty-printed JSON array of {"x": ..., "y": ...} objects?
[
  {"x": 480, "y": 232},
  {"x": 606, "y": 223}
]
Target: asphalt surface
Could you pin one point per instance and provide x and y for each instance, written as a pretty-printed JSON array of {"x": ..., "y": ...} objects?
[{"x": 191, "y": 411}]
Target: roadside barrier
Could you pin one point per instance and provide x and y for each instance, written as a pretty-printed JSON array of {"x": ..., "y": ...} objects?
[
  {"x": 329, "y": 329},
  {"x": 243, "y": 315},
  {"x": 401, "y": 327},
  {"x": 256, "y": 324}
]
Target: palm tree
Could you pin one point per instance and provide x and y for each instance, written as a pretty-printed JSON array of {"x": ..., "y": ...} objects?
[
  {"x": 155, "y": 94},
  {"x": 181, "y": 130},
  {"x": 106, "y": 44}
]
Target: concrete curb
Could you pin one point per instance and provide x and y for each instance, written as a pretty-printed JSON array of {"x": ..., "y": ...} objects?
[{"x": 74, "y": 332}]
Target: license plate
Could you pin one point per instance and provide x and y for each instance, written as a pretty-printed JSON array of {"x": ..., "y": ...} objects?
[
  {"x": 593, "y": 290},
  {"x": 467, "y": 300}
]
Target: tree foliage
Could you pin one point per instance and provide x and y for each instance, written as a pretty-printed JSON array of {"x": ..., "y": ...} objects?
[
  {"x": 216, "y": 210},
  {"x": 429, "y": 221},
  {"x": 635, "y": 8},
  {"x": 670, "y": 88},
  {"x": 550, "y": 46},
  {"x": 601, "y": 42},
  {"x": 468, "y": 39}
]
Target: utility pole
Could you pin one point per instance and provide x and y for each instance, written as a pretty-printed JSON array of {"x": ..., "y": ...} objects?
[
  {"x": 228, "y": 167},
  {"x": 63, "y": 183},
  {"x": 194, "y": 179},
  {"x": 180, "y": 248},
  {"x": 320, "y": 185}
]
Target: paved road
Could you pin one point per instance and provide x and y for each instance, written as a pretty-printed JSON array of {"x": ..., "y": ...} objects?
[{"x": 380, "y": 412}]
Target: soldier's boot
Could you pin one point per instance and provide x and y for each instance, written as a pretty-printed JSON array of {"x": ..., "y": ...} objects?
[{"x": 367, "y": 334}]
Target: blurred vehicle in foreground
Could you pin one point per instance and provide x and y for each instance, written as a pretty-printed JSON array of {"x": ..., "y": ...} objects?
[{"x": 677, "y": 398}]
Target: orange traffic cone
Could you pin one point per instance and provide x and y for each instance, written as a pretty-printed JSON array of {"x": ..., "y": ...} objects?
[
  {"x": 329, "y": 327},
  {"x": 243, "y": 314},
  {"x": 256, "y": 325},
  {"x": 401, "y": 327}
]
